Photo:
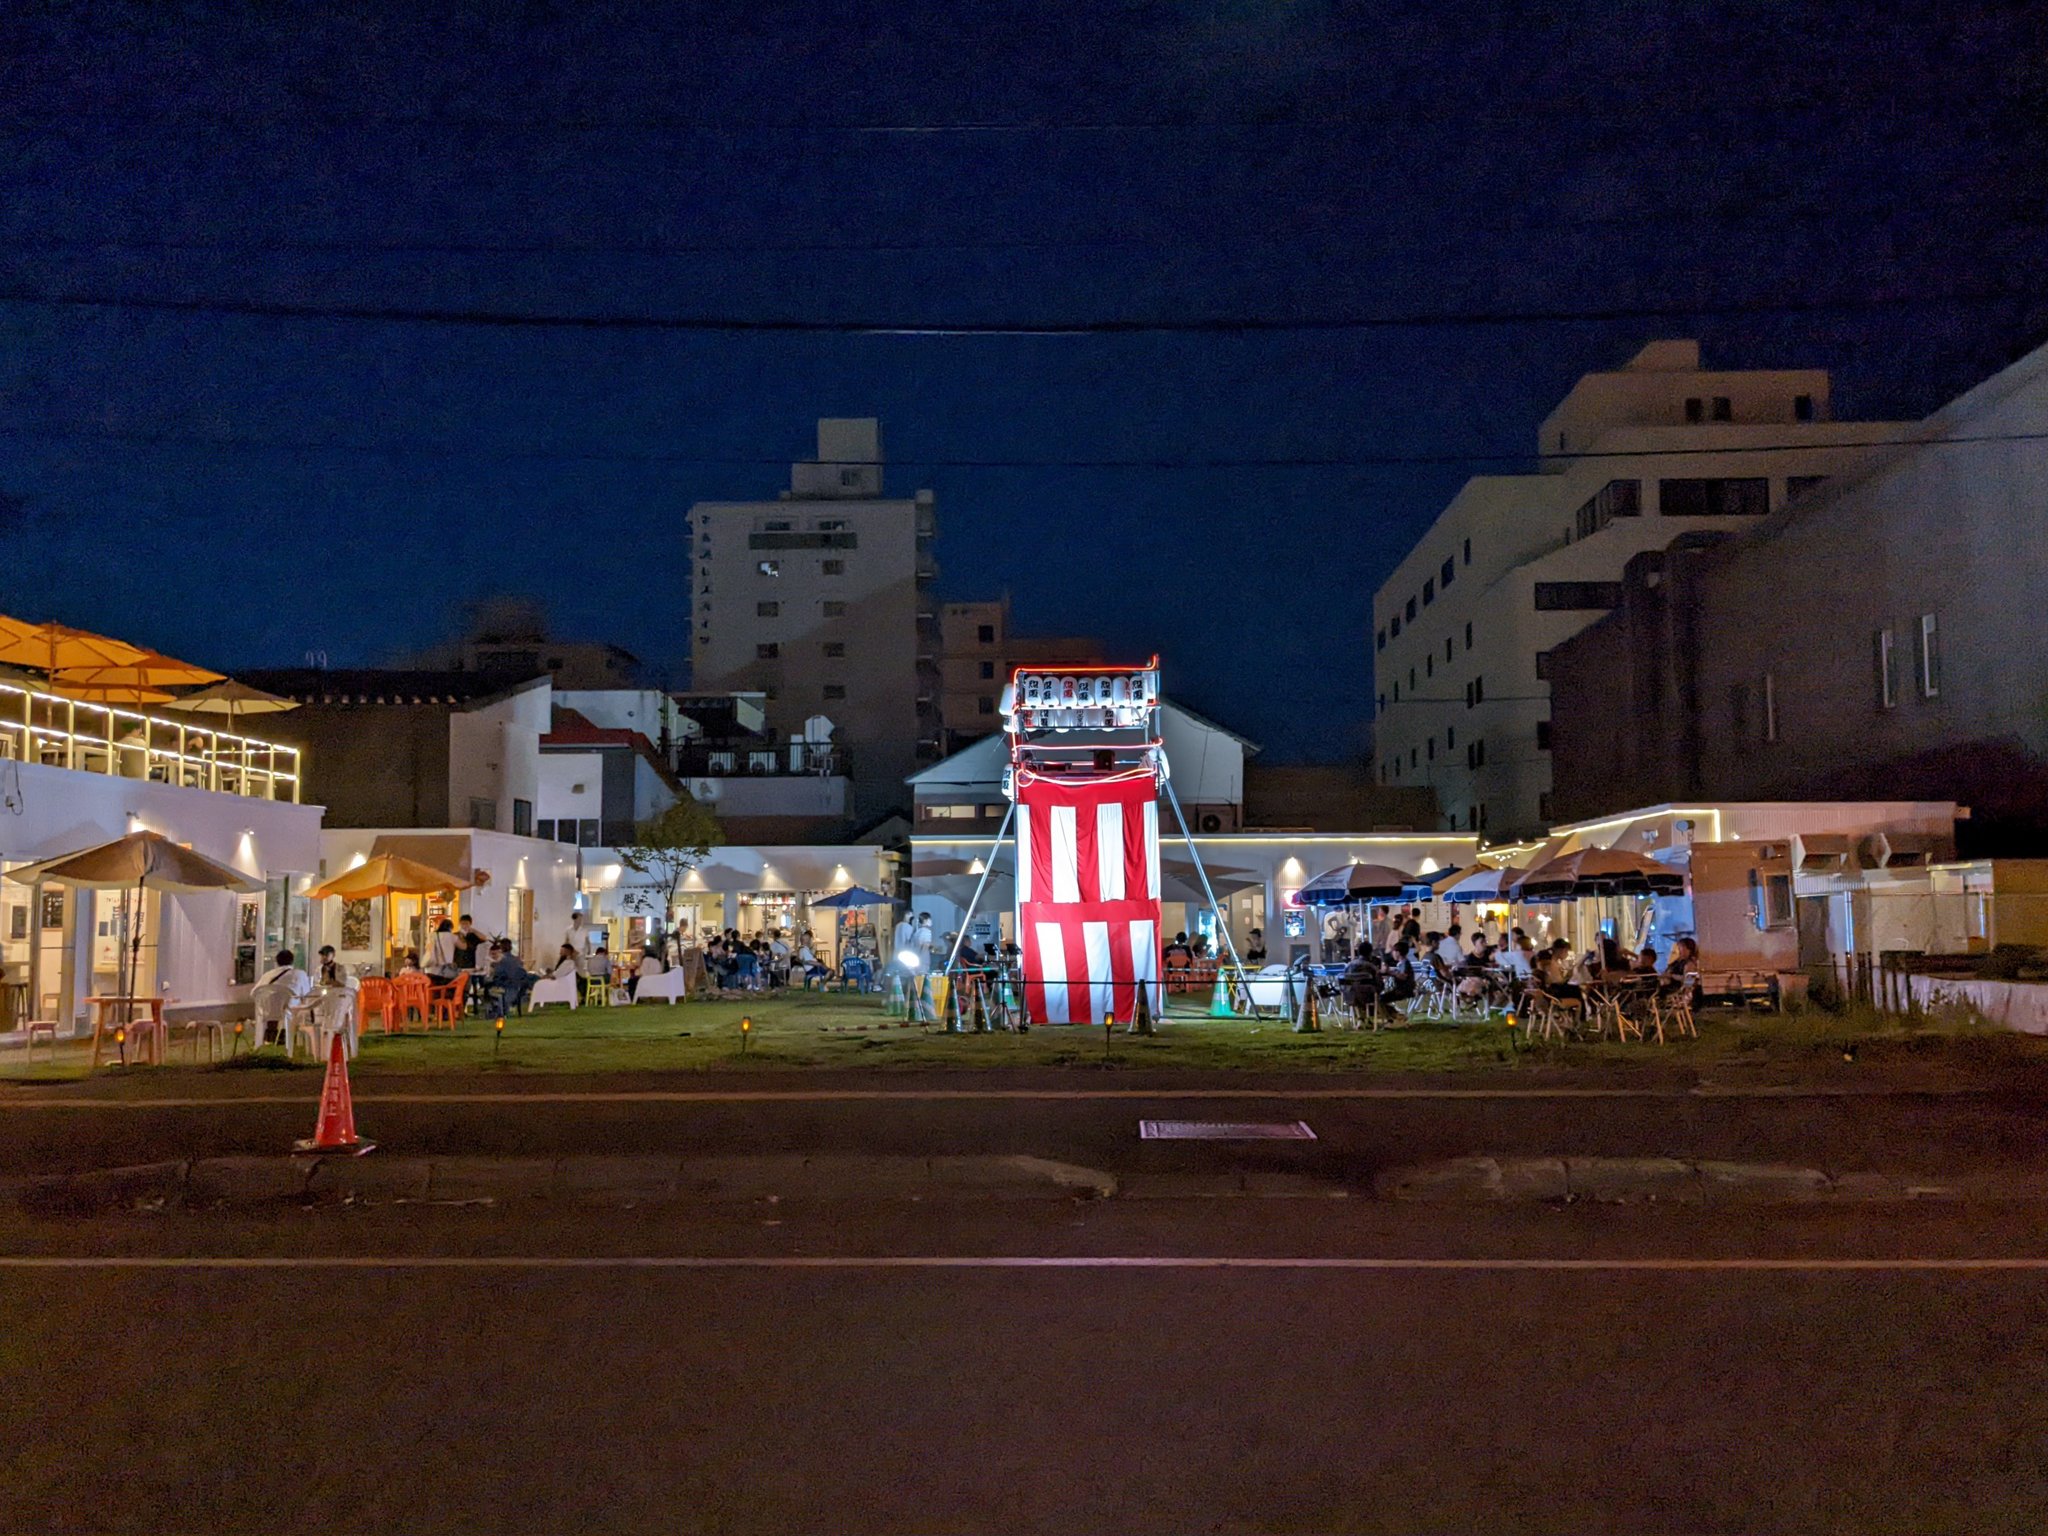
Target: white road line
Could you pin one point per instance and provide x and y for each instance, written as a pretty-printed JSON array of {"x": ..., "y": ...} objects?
[
  {"x": 2035, "y": 1264},
  {"x": 977, "y": 1095}
]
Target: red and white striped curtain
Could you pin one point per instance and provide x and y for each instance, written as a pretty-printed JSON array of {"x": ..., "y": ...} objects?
[{"x": 1087, "y": 896}]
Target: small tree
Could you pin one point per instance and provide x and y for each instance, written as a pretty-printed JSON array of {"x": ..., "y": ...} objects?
[{"x": 664, "y": 849}]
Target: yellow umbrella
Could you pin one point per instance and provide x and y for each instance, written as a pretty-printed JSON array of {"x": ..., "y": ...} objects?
[
  {"x": 388, "y": 874},
  {"x": 140, "y": 680},
  {"x": 47, "y": 647}
]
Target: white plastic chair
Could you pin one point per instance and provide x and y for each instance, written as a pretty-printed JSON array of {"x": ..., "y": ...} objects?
[
  {"x": 272, "y": 1003},
  {"x": 332, "y": 1012},
  {"x": 566, "y": 988}
]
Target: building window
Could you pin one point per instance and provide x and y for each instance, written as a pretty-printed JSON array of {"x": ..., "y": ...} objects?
[
  {"x": 1450, "y": 737},
  {"x": 986, "y": 634},
  {"x": 1478, "y": 690},
  {"x": 835, "y": 647},
  {"x": 1412, "y": 760},
  {"x": 1475, "y": 754},
  {"x": 1768, "y": 693},
  {"x": 834, "y": 608},
  {"x": 1394, "y": 626},
  {"x": 1411, "y": 679},
  {"x": 1411, "y": 610},
  {"x": 768, "y": 567},
  {"x": 1723, "y": 409},
  {"x": 1887, "y": 663},
  {"x": 1749, "y": 497},
  {"x": 780, "y": 525},
  {"x": 1432, "y": 749},
  {"x": 1738, "y": 712},
  {"x": 545, "y": 830},
  {"x": 1468, "y": 635},
  {"x": 988, "y": 671},
  {"x": 1468, "y": 551},
  {"x": 1543, "y": 666},
  {"x": 1397, "y": 692},
  {"x": 830, "y": 525},
  {"x": 1570, "y": 596},
  {"x": 832, "y": 567},
  {"x": 1429, "y": 665},
  {"x": 1447, "y": 647},
  {"x": 1617, "y": 498},
  {"x": 1429, "y": 592},
  {"x": 1448, "y": 574},
  {"x": 1379, "y": 641},
  {"x": 767, "y": 610},
  {"x": 1929, "y": 658},
  {"x": 1543, "y": 806},
  {"x": 985, "y": 705},
  {"x": 1482, "y": 815},
  {"x": 835, "y": 691},
  {"x": 1695, "y": 409},
  {"x": 767, "y": 650},
  {"x": 522, "y": 818},
  {"x": 483, "y": 814},
  {"x": 1542, "y": 735},
  {"x": 1380, "y": 705}
]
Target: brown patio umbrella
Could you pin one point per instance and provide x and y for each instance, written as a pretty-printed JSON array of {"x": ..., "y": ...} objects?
[
  {"x": 142, "y": 861},
  {"x": 1597, "y": 872},
  {"x": 232, "y": 699}
]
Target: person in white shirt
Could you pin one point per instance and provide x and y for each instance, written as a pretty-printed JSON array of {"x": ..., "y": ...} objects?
[
  {"x": 441, "y": 953},
  {"x": 285, "y": 973},
  {"x": 903, "y": 953},
  {"x": 1451, "y": 948},
  {"x": 924, "y": 942}
]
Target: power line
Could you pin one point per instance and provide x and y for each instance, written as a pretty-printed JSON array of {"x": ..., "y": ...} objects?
[
  {"x": 1971, "y": 213},
  {"x": 1218, "y": 325},
  {"x": 419, "y": 448}
]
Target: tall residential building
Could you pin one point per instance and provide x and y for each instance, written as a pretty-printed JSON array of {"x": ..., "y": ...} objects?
[
  {"x": 1516, "y": 564},
  {"x": 820, "y": 601},
  {"x": 977, "y": 651},
  {"x": 1878, "y": 640}
]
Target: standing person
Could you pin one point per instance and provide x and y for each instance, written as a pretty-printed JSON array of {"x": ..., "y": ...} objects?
[
  {"x": 441, "y": 964},
  {"x": 903, "y": 952},
  {"x": 1255, "y": 948},
  {"x": 924, "y": 942},
  {"x": 467, "y": 942}
]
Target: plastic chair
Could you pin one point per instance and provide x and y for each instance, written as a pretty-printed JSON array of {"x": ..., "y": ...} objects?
[
  {"x": 596, "y": 991},
  {"x": 212, "y": 1031},
  {"x": 446, "y": 1004},
  {"x": 411, "y": 995},
  {"x": 373, "y": 996},
  {"x": 271, "y": 1005},
  {"x": 332, "y": 1013},
  {"x": 47, "y": 1028}
]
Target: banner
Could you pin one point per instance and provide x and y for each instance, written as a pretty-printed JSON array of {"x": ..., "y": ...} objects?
[{"x": 1087, "y": 895}]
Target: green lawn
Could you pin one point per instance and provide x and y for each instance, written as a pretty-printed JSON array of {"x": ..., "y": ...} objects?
[{"x": 813, "y": 1030}]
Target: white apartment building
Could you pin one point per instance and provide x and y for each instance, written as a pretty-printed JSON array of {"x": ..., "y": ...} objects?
[
  {"x": 820, "y": 601},
  {"x": 1516, "y": 564}
]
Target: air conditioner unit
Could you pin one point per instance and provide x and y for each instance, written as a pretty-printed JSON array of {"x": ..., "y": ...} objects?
[
  {"x": 1822, "y": 853},
  {"x": 1211, "y": 822}
]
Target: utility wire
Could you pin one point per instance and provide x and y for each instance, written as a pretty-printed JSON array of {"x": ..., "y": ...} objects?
[
  {"x": 1218, "y": 325},
  {"x": 398, "y": 447}
]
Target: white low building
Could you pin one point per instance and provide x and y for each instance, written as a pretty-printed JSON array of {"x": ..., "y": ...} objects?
[{"x": 74, "y": 775}]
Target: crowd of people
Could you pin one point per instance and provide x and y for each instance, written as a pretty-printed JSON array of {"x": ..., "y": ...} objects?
[{"x": 1495, "y": 966}]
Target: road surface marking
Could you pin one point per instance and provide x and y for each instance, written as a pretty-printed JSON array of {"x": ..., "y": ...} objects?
[
  {"x": 973, "y": 1095},
  {"x": 1006, "y": 1261}
]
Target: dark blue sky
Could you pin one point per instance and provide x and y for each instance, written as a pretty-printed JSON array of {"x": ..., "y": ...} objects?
[{"x": 244, "y": 490}]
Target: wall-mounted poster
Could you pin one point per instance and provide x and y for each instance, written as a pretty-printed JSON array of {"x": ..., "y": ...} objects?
[
  {"x": 355, "y": 924},
  {"x": 251, "y": 921},
  {"x": 53, "y": 909},
  {"x": 17, "y": 922}
]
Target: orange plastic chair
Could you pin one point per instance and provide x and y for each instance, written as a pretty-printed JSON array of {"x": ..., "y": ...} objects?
[
  {"x": 445, "y": 1005},
  {"x": 373, "y": 996},
  {"x": 410, "y": 996}
]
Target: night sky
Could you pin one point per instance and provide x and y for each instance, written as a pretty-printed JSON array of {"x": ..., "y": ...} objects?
[{"x": 1860, "y": 188}]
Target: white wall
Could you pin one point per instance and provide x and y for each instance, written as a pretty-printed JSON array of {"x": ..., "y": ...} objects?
[
  {"x": 571, "y": 785},
  {"x": 62, "y": 810},
  {"x": 513, "y": 863},
  {"x": 797, "y": 794},
  {"x": 494, "y": 753},
  {"x": 646, "y": 710}
]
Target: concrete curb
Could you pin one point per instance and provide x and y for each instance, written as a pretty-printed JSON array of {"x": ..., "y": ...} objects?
[
  {"x": 379, "y": 1180},
  {"x": 1630, "y": 1180}
]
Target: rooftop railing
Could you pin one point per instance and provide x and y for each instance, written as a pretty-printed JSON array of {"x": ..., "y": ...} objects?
[{"x": 46, "y": 728}]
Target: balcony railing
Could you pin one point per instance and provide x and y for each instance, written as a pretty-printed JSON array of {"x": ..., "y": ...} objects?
[{"x": 38, "y": 727}]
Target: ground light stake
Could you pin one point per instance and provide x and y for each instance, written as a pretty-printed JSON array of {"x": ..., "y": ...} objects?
[
  {"x": 497, "y": 1039},
  {"x": 746, "y": 1031}
]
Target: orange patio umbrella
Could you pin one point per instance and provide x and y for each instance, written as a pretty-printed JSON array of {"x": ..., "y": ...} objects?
[
  {"x": 49, "y": 647},
  {"x": 141, "y": 679},
  {"x": 388, "y": 875}
]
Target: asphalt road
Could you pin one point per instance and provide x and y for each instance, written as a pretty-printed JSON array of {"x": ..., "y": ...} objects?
[{"x": 484, "y": 1392}]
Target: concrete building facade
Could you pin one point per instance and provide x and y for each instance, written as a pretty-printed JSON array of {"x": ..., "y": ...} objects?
[
  {"x": 1517, "y": 564},
  {"x": 1873, "y": 640},
  {"x": 820, "y": 601}
]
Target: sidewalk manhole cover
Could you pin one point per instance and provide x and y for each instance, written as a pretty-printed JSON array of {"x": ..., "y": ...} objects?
[{"x": 1224, "y": 1130}]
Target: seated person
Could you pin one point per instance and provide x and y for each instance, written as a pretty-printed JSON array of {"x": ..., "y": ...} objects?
[
  {"x": 1646, "y": 962},
  {"x": 508, "y": 981},
  {"x": 1178, "y": 953},
  {"x": 1684, "y": 957},
  {"x": 601, "y": 962},
  {"x": 1399, "y": 981},
  {"x": 808, "y": 966},
  {"x": 1255, "y": 948},
  {"x": 284, "y": 973},
  {"x": 410, "y": 966},
  {"x": 565, "y": 963},
  {"x": 328, "y": 972},
  {"x": 1362, "y": 981}
]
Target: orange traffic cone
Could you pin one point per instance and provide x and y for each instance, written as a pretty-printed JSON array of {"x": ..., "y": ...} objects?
[{"x": 336, "y": 1131}]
